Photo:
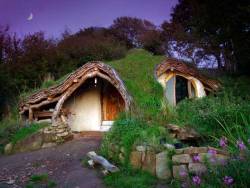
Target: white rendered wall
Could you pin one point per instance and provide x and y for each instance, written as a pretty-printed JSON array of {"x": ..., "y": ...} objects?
[
  {"x": 199, "y": 88},
  {"x": 86, "y": 110}
]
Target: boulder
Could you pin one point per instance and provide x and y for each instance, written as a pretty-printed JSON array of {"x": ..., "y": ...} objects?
[
  {"x": 193, "y": 150},
  {"x": 181, "y": 159},
  {"x": 30, "y": 143},
  {"x": 197, "y": 168},
  {"x": 183, "y": 133},
  {"x": 180, "y": 172},
  {"x": 8, "y": 148},
  {"x": 148, "y": 164},
  {"x": 49, "y": 144},
  {"x": 135, "y": 159},
  {"x": 141, "y": 148},
  {"x": 161, "y": 166}
]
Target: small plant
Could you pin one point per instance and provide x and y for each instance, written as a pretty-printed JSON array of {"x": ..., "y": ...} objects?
[{"x": 41, "y": 180}]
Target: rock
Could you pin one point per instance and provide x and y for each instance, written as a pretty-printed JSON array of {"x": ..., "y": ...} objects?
[
  {"x": 215, "y": 159},
  {"x": 10, "y": 182},
  {"x": 182, "y": 158},
  {"x": 169, "y": 146},
  {"x": 197, "y": 168},
  {"x": 121, "y": 157},
  {"x": 161, "y": 166},
  {"x": 8, "y": 148},
  {"x": 135, "y": 159},
  {"x": 149, "y": 163},
  {"x": 48, "y": 145},
  {"x": 141, "y": 148},
  {"x": 183, "y": 133},
  {"x": 122, "y": 150},
  {"x": 30, "y": 143},
  {"x": 219, "y": 151},
  {"x": 192, "y": 150},
  {"x": 179, "y": 151},
  {"x": 48, "y": 137},
  {"x": 62, "y": 134},
  {"x": 180, "y": 172}
]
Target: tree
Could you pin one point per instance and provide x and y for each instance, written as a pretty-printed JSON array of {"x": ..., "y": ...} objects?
[
  {"x": 130, "y": 30},
  {"x": 220, "y": 28}
]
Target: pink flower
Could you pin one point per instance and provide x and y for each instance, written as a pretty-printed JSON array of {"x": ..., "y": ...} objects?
[
  {"x": 223, "y": 142},
  {"x": 241, "y": 145},
  {"x": 196, "y": 158},
  {"x": 196, "y": 180},
  {"x": 228, "y": 180}
]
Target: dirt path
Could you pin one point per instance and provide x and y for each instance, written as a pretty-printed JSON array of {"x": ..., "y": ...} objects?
[{"x": 61, "y": 163}]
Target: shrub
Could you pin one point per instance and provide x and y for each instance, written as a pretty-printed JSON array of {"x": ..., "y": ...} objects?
[{"x": 205, "y": 114}]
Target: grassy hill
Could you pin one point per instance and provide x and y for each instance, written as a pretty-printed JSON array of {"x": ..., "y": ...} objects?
[{"x": 225, "y": 114}]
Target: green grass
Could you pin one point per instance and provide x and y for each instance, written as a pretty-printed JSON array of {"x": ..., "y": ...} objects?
[
  {"x": 26, "y": 131},
  {"x": 41, "y": 180},
  {"x": 128, "y": 178}
]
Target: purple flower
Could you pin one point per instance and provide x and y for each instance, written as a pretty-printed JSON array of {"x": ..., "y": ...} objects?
[
  {"x": 228, "y": 180},
  {"x": 183, "y": 173},
  {"x": 196, "y": 180},
  {"x": 212, "y": 152},
  {"x": 223, "y": 142},
  {"x": 196, "y": 158},
  {"x": 241, "y": 145}
]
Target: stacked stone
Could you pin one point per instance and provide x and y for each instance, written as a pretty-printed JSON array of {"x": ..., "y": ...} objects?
[
  {"x": 185, "y": 161},
  {"x": 192, "y": 160},
  {"x": 61, "y": 132}
]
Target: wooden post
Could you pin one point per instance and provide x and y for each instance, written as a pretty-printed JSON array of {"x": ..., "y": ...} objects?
[{"x": 30, "y": 115}]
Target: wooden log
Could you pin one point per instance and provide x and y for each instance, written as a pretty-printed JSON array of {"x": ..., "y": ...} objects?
[{"x": 102, "y": 161}]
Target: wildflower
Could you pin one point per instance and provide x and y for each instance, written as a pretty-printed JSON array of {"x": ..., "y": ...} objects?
[
  {"x": 223, "y": 142},
  {"x": 183, "y": 173},
  {"x": 196, "y": 158},
  {"x": 241, "y": 145},
  {"x": 212, "y": 152},
  {"x": 196, "y": 180},
  {"x": 228, "y": 180}
]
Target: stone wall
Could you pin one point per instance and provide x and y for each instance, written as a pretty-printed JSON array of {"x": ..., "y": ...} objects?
[{"x": 164, "y": 165}]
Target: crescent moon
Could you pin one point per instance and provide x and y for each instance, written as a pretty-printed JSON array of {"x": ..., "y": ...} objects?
[{"x": 30, "y": 17}]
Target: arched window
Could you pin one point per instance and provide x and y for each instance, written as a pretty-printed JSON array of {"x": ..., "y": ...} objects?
[{"x": 179, "y": 88}]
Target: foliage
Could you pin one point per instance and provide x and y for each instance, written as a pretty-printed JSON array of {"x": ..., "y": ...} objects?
[
  {"x": 41, "y": 180},
  {"x": 26, "y": 131},
  {"x": 210, "y": 27},
  {"x": 143, "y": 124},
  {"x": 130, "y": 178},
  {"x": 237, "y": 169},
  {"x": 228, "y": 107}
]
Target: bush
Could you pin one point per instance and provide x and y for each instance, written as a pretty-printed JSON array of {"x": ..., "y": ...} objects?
[{"x": 205, "y": 114}]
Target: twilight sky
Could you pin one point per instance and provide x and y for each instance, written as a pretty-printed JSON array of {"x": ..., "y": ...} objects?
[{"x": 54, "y": 16}]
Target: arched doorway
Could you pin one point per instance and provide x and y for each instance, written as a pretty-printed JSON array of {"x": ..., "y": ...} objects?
[
  {"x": 179, "y": 88},
  {"x": 93, "y": 106}
]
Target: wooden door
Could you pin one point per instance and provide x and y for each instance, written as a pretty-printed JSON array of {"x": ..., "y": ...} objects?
[{"x": 112, "y": 103}]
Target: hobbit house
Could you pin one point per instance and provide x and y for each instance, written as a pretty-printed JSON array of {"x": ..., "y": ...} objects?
[
  {"x": 180, "y": 80},
  {"x": 89, "y": 99}
]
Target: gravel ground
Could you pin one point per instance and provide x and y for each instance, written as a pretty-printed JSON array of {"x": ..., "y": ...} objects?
[{"x": 62, "y": 163}]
